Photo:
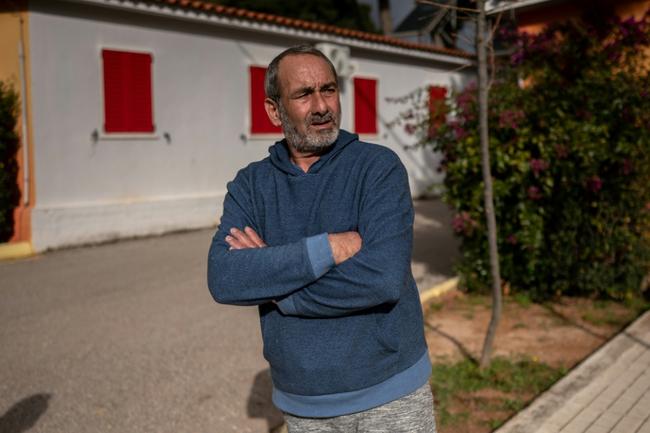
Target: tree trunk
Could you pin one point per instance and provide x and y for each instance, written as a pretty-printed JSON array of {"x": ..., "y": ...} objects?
[
  {"x": 481, "y": 43},
  {"x": 385, "y": 17}
]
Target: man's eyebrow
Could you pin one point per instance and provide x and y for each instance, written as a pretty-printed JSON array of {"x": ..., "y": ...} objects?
[
  {"x": 302, "y": 90},
  {"x": 309, "y": 89}
]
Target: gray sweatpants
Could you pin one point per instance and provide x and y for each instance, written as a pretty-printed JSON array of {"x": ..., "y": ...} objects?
[{"x": 412, "y": 413}]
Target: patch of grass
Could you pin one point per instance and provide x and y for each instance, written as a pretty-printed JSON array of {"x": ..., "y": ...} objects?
[
  {"x": 522, "y": 299},
  {"x": 469, "y": 315},
  {"x": 604, "y": 312},
  {"x": 513, "y": 404},
  {"x": 435, "y": 306},
  {"x": 495, "y": 423},
  {"x": 638, "y": 304},
  {"x": 476, "y": 300},
  {"x": 512, "y": 379},
  {"x": 604, "y": 317},
  {"x": 601, "y": 304},
  {"x": 444, "y": 417}
]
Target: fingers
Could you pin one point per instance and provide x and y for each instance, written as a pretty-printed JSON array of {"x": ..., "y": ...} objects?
[
  {"x": 239, "y": 240},
  {"x": 254, "y": 237},
  {"x": 344, "y": 245}
]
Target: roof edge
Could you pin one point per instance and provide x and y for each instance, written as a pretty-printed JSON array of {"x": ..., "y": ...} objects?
[
  {"x": 494, "y": 6},
  {"x": 260, "y": 21}
]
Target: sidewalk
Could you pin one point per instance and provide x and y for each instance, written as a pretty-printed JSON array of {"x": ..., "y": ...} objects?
[{"x": 609, "y": 392}]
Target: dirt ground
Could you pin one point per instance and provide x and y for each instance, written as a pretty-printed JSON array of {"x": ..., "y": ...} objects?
[{"x": 560, "y": 334}]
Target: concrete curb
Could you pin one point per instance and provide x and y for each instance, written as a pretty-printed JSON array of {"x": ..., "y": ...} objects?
[
  {"x": 17, "y": 250},
  {"x": 561, "y": 396},
  {"x": 438, "y": 290}
]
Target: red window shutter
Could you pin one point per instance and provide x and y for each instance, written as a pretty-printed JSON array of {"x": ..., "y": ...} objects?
[
  {"x": 437, "y": 105},
  {"x": 260, "y": 122},
  {"x": 365, "y": 106},
  {"x": 127, "y": 92}
]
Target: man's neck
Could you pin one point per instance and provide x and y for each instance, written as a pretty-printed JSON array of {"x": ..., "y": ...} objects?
[{"x": 303, "y": 160}]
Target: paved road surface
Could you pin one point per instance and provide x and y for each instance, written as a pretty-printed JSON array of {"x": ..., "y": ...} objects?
[{"x": 125, "y": 337}]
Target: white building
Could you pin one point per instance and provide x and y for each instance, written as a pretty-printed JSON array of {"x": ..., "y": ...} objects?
[{"x": 137, "y": 113}]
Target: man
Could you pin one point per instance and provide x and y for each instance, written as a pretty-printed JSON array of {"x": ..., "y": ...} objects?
[{"x": 319, "y": 235}]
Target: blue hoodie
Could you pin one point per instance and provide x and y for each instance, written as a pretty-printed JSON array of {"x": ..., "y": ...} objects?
[{"x": 339, "y": 339}]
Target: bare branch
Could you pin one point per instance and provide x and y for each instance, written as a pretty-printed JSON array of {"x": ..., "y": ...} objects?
[
  {"x": 492, "y": 66},
  {"x": 442, "y": 5},
  {"x": 460, "y": 68},
  {"x": 462, "y": 37},
  {"x": 495, "y": 27}
]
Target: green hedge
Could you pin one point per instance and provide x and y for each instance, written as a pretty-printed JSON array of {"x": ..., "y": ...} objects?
[
  {"x": 570, "y": 152},
  {"x": 9, "y": 143}
]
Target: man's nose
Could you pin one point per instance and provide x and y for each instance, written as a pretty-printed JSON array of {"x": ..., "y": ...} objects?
[{"x": 318, "y": 103}]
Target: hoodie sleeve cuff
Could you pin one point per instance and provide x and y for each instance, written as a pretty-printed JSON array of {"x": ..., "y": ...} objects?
[
  {"x": 287, "y": 306},
  {"x": 320, "y": 254}
]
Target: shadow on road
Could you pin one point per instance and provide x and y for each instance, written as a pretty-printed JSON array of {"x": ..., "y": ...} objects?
[
  {"x": 434, "y": 244},
  {"x": 23, "y": 415},
  {"x": 260, "y": 404}
]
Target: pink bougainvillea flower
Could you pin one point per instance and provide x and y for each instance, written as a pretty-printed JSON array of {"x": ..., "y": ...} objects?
[
  {"x": 594, "y": 184},
  {"x": 510, "y": 118},
  {"x": 463, "y": 223},
  {"x": 537, "y": 166},
  {"x": 534, "y": 193},
  {"x": 627, "y": 167},
  {"x": 561, "y": 151}
]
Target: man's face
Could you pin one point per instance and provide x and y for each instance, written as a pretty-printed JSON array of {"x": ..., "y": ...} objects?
[{"x": 309, "y": 108}]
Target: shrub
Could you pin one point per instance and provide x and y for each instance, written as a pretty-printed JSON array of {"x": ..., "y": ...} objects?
[
  {"x": 569, "y": 124},
  {"x": 9, "y": 192}
]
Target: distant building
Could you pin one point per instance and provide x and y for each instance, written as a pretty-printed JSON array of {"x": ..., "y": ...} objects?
[
  {"x": 135, "y": 114},
  {"x": 441, "y": 26}
]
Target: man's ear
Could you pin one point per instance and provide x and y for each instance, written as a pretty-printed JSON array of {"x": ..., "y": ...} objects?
[{"x": 272, "y": 111}]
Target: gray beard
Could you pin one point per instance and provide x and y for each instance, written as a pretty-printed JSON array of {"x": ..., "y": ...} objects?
[{"x": 311, "y": 142}]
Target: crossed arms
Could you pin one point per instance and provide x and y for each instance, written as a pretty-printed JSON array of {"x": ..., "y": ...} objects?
[
  {"x": 243, "y": 270},
  {"x": 343, "y": 245}
]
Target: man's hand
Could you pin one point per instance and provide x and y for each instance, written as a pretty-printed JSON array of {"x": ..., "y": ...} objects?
[
  {"x": 240, "y": 240},
  {"x": 344, "y": 245}
]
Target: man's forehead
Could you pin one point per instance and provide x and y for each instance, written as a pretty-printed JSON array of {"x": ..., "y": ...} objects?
[{"x": 294, "y": 66}]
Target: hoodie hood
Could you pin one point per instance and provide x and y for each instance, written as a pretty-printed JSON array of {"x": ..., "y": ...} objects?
[{"x": 281, "y": 158}]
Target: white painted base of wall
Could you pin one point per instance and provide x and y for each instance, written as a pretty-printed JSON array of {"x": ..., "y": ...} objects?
[{"x": 56, "y": 227}]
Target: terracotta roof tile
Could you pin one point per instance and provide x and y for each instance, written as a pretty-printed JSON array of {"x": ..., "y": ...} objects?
[{"x": 308, "y": 25}]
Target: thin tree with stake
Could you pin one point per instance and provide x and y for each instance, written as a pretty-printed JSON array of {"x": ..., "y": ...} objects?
[{"x": 483, "y": 41}]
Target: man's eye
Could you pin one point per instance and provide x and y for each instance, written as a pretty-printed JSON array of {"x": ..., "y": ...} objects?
[{"x": 330, "y": 90}]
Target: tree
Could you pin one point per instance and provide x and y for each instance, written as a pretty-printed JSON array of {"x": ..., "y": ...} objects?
[
  {"x": 9, "y": 192},
  {"x": 481, "y": 48},
  {"x": 570, "y": 157},
  {"x": 483, "y": 43},
  {"x": 385, "y": 17}
]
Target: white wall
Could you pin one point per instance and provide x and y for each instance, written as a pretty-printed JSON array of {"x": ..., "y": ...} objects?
[
  {"x": 398, "y": 77},
  {"x": 90, "y": 190}
]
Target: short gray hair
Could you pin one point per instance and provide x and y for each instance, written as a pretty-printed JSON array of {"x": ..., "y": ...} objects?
[{"x": 271, "y": 84}]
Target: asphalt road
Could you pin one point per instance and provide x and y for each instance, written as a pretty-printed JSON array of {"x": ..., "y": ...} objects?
[{"x": 125, "y": 337}]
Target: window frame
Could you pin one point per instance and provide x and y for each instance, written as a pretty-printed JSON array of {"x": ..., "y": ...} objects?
[
  {"x": 443, "y": 116},
  {"x": 101, "y": 132},
  {"x": 353, "y": 112},
  {"x": 249, "y": 113}
]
